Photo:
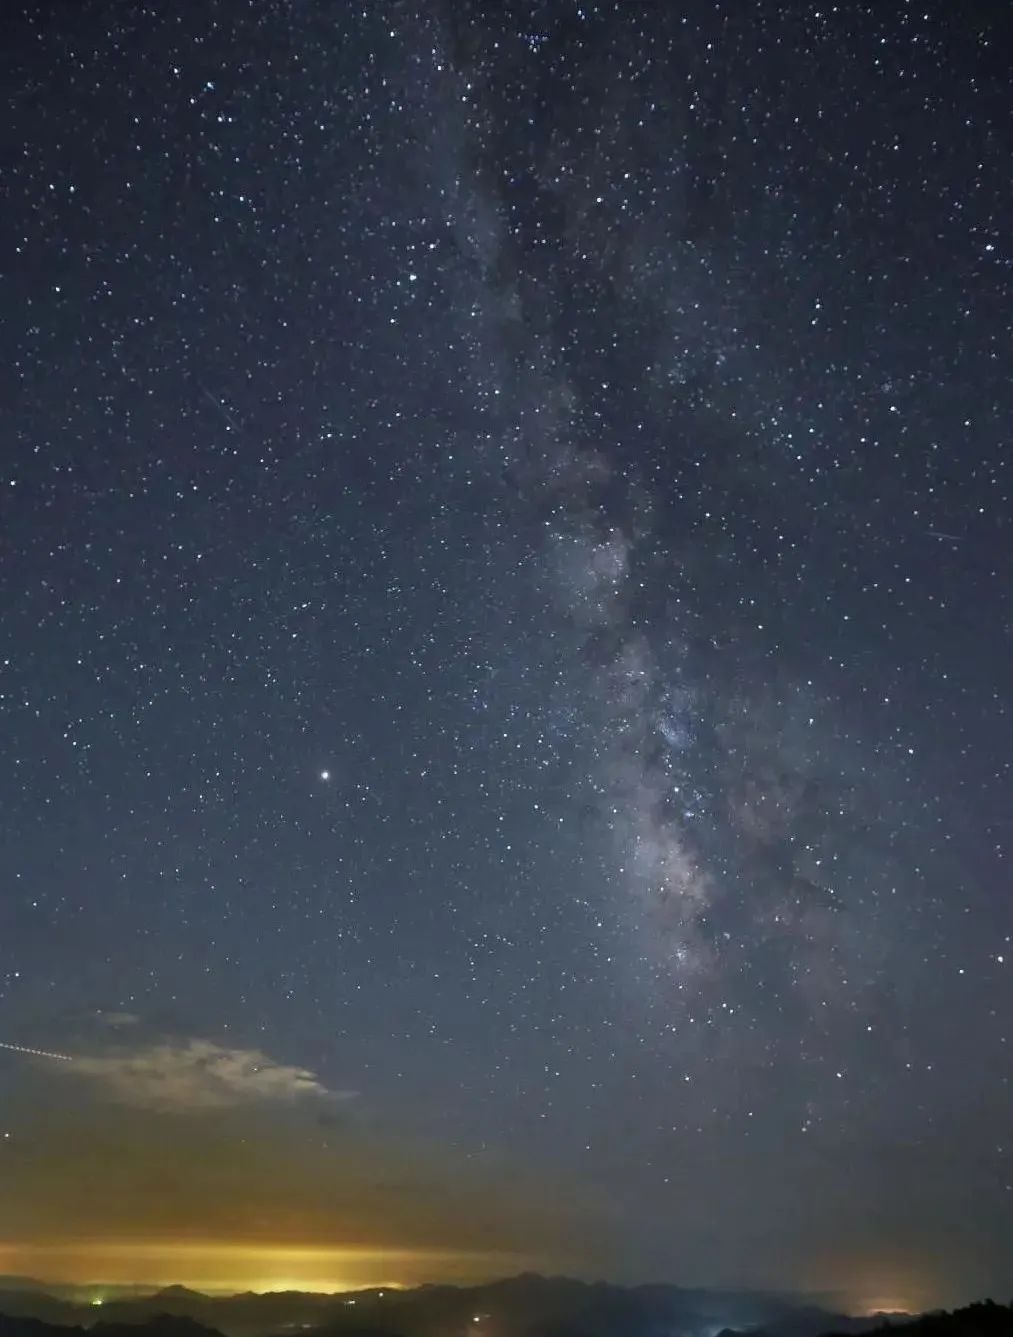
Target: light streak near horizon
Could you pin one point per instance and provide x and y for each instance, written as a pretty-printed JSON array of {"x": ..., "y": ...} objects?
[{"x": 36, "y": 1053}]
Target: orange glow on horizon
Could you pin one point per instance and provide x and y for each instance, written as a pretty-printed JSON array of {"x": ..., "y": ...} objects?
[
  {"x": 214, "y": 1265},
  {"x": 890, "y": 1305}
]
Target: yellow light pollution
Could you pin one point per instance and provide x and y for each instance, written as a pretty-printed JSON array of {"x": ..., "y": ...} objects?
[
  {"x": 212, "y": 1265},
  {"x": 260, "y": 1196}
]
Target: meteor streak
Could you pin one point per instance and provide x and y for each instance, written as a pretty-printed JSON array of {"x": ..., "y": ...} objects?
[{"x": 37, "y": 1053}]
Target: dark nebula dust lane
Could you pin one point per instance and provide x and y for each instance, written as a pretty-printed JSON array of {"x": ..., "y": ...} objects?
[{"x": 506, "y": 568}]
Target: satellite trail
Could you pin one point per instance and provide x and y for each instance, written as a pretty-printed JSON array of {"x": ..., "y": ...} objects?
[{"x": 37, "y": 1053}]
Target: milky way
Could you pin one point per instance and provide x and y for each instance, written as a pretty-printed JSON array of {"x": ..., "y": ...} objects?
[{"x": 748, "y": 833}]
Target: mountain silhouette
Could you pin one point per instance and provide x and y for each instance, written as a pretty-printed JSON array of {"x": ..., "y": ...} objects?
[
  {"x": 984, "y": 1319},
  {"x": 524, "y": 1306}
]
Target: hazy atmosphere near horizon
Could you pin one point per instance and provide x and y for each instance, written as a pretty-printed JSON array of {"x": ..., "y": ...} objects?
[{"x": 506, "y": 576}]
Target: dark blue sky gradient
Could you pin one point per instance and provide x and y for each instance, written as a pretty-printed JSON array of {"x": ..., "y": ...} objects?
[{"x": 579, "y": 433}]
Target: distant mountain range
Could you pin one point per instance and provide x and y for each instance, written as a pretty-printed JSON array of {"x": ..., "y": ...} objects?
[
  {"x": 529, "y": 1307},
  {"x": 524, "y": 1306}
]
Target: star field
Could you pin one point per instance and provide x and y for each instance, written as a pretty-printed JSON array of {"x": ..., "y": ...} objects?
[{"x": 506, "y": 571}]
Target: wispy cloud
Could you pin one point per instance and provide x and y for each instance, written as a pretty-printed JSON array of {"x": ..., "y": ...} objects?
[
  {"x": 194, "y": 1075},
  {"x": 117, "y": 1020}
]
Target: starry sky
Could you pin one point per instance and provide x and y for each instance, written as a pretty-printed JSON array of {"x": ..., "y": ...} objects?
[{"x": 506, "y": 578}]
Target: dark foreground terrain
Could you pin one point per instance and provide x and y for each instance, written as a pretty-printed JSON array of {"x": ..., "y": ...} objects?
[
  {"x": 519, "y": 1307},
  {"x": 524, "y": 1306}
]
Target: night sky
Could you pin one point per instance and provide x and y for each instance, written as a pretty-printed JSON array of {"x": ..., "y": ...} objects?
[{"x": 506, "y": 573}]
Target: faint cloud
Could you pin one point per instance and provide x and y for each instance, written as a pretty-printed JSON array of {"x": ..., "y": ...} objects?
[
  {"x": 196, "y": 1075},
  {"x": 117, "y": 1021}
]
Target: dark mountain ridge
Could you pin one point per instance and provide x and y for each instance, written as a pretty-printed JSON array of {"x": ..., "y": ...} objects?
[
  {"x": 523, "y": 1306},
  {"x": 602, "y": 1310}
]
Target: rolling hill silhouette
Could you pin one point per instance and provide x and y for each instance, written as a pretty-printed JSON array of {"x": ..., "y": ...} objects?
[{"x": 523, "y": 1306}]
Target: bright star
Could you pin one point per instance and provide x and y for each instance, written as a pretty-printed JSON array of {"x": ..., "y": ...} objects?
[{"x": 325, "y": 775}]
